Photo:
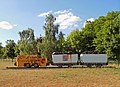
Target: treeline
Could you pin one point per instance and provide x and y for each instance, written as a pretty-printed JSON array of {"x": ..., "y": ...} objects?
[{"x": 100, "y": 36}]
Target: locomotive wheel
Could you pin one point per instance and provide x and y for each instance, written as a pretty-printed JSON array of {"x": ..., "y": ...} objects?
[
  {"x": 36, "y": 65},
  {"x": 27, "y": 65},
  {"x": 15, "y": 64}
]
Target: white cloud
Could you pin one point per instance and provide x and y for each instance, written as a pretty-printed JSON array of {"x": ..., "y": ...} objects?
[
  {"x": 66, "y": 19},
  {"x": 62, "y": 11},
  {"x": 15, "y": 25},
  {"x": 75, "y": 25},
  {"x": 44, "y": 14},
  {"x": 90, "y": 20},
  {"x": 5, "y": 25}
]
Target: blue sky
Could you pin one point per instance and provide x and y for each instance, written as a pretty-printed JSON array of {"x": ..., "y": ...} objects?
[{"x": 17, "y": 15}]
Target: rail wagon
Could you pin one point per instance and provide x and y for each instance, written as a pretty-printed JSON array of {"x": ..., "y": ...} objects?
[
  {"x": 64, "y": 59},
  {"x": 97, "y": 60},
  {"x": 69, "y": 59}
]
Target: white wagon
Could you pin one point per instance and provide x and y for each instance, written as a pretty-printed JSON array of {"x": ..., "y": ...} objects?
[
  {"x": 93, "y": 59},
  {"x": 62, "y": 59}
]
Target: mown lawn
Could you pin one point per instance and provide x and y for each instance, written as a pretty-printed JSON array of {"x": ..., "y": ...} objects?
[{"x": 58, "y": 77}]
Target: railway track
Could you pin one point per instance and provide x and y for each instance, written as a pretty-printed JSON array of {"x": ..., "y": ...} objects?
[
  {"x": 53, "y": 67},
  {"x": 48, "y": 67}
]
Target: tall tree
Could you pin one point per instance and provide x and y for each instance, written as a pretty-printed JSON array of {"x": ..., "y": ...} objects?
[
  {"x": 50, "y": 29},
  {"x": 50, "y": 35}
]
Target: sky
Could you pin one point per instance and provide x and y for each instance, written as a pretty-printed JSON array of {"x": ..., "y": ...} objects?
[{"x": 18, "y": 15}]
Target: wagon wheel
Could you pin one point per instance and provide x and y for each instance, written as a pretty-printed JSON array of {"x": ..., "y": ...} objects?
[
  {"x": 89, "y": 65},
  {"x": 98, "y": 66},
  {"x": 60, "y": 66},
  {"x": 69, "y": 65}
]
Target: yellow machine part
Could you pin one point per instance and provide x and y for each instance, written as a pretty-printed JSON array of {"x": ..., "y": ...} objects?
[{"x": 31, "y": 59}]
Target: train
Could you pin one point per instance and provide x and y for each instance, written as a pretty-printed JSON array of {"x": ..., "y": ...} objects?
[
  {"x": 61, "y": 59},
  {"x": 30, "y": 60},
  {"x": 70, "y": 59}
]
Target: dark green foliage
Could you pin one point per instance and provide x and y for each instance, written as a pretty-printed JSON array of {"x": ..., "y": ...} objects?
[
  {"x": 10, "y": 49},
  {"x": 60, "y": 42},
  {"x": 1, "y": 52}
]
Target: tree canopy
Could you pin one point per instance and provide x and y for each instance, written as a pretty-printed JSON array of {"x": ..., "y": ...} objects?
[{"x": 100, "y": 36}]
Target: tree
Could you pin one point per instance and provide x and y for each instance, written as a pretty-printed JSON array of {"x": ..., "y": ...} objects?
[
  {"x": 50, "y": 36},
  {"x": 60, "y": 41},
  {"x": 27, "y": 43},
  {"x": 9, "y": 49},
  {"x": 27, "y": 35},
  {"x": 40, "y": 46},
  {"x": 74, "y": 40},
  {"x": 98, "y": 40},
  {"x": 50, "y": 29},
  {"x": 88, "y": 34},
  {"x": 1, "y": 52},
  {"x": 111, "y": 31},
  {"x": 108, "y": 36}
]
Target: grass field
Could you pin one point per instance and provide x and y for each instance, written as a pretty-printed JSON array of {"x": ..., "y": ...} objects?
[{"x": 58, "y": 77}]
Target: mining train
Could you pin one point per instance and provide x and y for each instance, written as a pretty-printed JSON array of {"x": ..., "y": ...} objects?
[{"x": 62, "y": 59}]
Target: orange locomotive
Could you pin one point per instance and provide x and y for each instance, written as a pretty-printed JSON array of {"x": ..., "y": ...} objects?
[{"x": 30, "y": 60}]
